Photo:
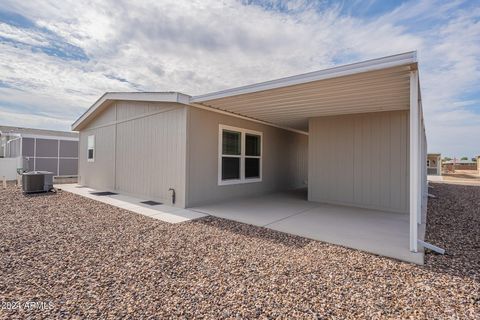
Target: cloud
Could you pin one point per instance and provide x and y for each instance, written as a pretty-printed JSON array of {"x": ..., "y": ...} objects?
[{"x": 61, "y": 56}]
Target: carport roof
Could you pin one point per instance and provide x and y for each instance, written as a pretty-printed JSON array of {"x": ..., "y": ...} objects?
[{"x": 370, "y": 86}]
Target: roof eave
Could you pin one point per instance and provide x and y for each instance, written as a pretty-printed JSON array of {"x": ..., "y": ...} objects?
[
  {"x": 128, "y": 96},
  {"x": 403, "y": 59}
]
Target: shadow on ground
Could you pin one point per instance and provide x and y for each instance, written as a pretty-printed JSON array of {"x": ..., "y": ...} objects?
[{"x": 248, "y": 230}]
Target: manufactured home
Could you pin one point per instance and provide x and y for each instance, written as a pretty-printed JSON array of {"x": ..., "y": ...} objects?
[{"x": 352, "y": 137}]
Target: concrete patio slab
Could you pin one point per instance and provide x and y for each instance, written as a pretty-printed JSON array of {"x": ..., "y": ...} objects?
[
  {"x": 379, "y": 232},
  {"x": 160, "y": 212},
  {"x": 260, "y": 210}
]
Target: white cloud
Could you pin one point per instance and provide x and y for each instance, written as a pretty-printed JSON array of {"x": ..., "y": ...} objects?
[{"x": 201, "y": 46}]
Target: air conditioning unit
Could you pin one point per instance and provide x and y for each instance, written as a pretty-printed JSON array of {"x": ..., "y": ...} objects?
[{"x": 37, "y": 181}]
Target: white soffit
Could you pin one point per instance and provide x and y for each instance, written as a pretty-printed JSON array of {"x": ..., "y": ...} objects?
[{"x": 370, "y": 86}]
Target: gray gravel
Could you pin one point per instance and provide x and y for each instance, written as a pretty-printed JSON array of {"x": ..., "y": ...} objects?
[{"x": 91, "y": 260}]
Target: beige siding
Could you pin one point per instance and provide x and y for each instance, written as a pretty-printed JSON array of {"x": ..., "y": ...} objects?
[
  {"x": 106, "y": 117},
  {"x": 100, "y": 173},
  {"x": 151, "y": 156},
  {"x": 128, "y": 110},
  {"x": 284, "y": 159},
  {"x": 360, "y": 160},
  {"x": 139, "y": 150}
]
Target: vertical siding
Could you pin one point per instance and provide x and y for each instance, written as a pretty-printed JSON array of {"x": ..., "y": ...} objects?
[
  {"x": 97, "y": 174},
  {"x": 151, "y": 155},
  {"x": 360, "y": 160},
  {"x": 139, "y": 150},
  {"x": 284, "y": 160}
]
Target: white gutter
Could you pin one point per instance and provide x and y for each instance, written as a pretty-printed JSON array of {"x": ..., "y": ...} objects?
[
  {"x": 407, "y": 58},
  {"x": 431, "y": 247}
]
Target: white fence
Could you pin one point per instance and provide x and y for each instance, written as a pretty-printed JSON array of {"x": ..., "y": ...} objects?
[{"x": 8, "y": 168}]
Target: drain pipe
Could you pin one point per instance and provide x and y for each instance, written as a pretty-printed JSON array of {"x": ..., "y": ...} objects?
[
  {"x": 173, "y": 195},
  {"x": 431, "y": 247}
]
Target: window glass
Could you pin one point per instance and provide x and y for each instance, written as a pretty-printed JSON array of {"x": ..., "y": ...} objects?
[
  {"x": 90, "y": 147},
  {"x": 231, "y": 142},
  {"x": 230, "y": 168},
  {"x": 252, "y": 168},
  {"x": 252, "y": 145}
]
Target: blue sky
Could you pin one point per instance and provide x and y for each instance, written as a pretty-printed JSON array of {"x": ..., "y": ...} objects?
[{"x": 57, "y": 58}]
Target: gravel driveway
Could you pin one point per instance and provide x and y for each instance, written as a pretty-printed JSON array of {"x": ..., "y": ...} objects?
[{"x": 64, "y": 256}]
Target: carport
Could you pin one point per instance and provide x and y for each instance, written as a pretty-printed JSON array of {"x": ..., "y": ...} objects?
[{"x": 366, "y": 155}]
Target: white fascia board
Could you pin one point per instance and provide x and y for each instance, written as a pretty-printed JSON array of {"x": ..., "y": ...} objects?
[
  {"x": 132, "y": 96},
  {"x": 47, "y": 137},
  {"x": 407, "y": 58}
]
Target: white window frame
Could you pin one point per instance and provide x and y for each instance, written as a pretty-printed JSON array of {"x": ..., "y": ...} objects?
[
  {"x": 88, "y": 148},
  {"x": 243, "y": 132}
]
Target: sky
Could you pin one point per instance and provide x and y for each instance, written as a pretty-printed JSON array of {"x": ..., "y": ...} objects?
[{"x": 58, "y": 57}]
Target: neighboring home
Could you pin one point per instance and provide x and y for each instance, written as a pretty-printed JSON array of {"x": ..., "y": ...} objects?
[
  {"x": 354, "y": 135},
  {"x": 41, "y": 150},
  {"x": 478, "y": 164},
  {"x": 459, "y": 165},
  {"x": 434, "y": 164}
]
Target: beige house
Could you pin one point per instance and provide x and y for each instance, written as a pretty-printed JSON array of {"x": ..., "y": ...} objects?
[{"x": 353, "y": 135}]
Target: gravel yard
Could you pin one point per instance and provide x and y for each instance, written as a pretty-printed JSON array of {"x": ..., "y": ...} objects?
[{"x": 77, "y": 258}]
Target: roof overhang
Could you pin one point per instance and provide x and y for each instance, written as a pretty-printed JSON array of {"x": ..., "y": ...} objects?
[
  {"x": 105, "y": 100},
  {"x": 370, "y": 86}
]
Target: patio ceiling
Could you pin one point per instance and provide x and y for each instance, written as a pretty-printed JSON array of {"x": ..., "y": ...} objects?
[{"x": 370, "y": 86}]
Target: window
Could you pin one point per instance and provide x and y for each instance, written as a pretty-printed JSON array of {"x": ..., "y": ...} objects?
[
  {"x": 91, "y": 148},
  {"x": 240, "y": 156}
]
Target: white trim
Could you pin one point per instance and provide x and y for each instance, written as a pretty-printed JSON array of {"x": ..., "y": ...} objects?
[
  {"x": 58, "y": 157},
  {"x": 34, "y": 154},
  {"x": 414, "y": 158},
  {"x": 242, "y": 155},
  {"x": 28, "y": 135},
  {"x": 65, "y": 158},
  {"x": 408, "y": 58},
  {"x": 88, "y": 148}
]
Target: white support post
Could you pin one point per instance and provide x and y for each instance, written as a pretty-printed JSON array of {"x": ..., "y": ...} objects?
[
  {"x": 420, "y": 163},
  {"x": 414, "y": 158}
]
